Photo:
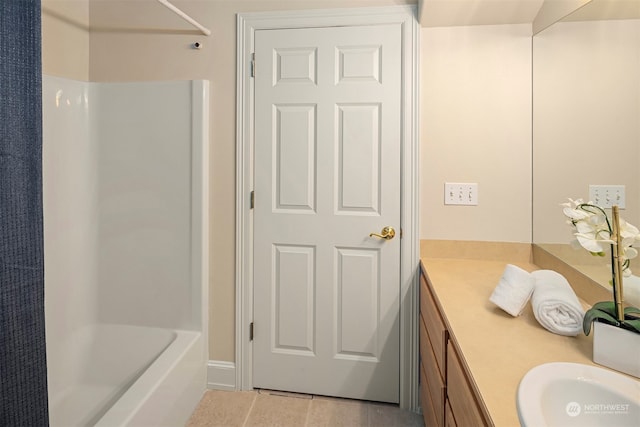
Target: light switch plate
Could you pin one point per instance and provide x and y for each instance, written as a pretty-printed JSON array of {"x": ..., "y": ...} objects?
[
  {"x": 461, "y": 193},
  {"x": 606, "y": 196}
]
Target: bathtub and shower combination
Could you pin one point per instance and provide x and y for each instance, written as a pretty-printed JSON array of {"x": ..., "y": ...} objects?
[{"x": 125, "y": 172}]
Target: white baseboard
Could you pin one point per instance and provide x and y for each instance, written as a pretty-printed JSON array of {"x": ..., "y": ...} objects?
[{"x": 221, "y": 375}]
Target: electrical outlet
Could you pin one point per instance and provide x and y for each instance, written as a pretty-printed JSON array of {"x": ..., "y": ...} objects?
[
  {"x": 606, "y": 196},
  {"x": 461, "y": 193}
]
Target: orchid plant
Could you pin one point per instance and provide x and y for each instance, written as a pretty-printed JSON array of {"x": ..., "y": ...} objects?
[{"x": 593, "y": 229}]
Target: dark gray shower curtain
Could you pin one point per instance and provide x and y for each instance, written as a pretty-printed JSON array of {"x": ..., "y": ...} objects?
[{"x": 23, "y": 375}]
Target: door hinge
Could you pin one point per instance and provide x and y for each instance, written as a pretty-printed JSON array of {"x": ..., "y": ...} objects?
[
  {"x": 253, "y": 65},
  {"x": 251, "y": 331},
  {"x": 252, "y": 199}
]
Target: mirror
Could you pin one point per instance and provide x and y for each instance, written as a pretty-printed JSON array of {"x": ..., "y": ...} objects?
[{"x": 586, "y": 122}]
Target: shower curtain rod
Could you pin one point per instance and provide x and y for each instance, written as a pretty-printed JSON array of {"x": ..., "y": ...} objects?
[{"x": 186, "y": 17}]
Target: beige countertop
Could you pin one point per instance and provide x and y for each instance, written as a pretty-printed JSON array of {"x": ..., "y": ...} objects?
[{"x": 497, "y": 348}]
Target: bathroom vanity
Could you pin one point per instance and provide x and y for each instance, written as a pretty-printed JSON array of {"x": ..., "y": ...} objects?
[{"x": 472, "y": 354}]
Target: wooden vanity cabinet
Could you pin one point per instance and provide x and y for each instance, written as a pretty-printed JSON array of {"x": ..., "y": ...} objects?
[
  {"x": 446, "y": 394},
  {"x": 426, "y": 403},
  {"x": 460, "y": 396},
  {"x": 433, "y": 338},
  {"x": 449, "y": 421}
]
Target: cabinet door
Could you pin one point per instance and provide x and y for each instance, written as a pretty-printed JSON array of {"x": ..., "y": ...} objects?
[
  {"x": 434, "y": 323},
  {"x": 462, "y": 399},
  {"x": 449, "y": 420},
  {"x": 434, "y": 378},
  {"x": 428, "y": 412}
]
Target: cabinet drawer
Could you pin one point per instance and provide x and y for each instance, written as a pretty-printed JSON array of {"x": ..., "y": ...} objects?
[
  {"x": 462, "y": 398},
  {"x": 433, "y": 321},
  {"x": 434, "y": 380},
  {"x": 428, "y": 412}
]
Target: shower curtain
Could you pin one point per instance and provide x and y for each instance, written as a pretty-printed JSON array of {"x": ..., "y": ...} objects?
[{"x": 23, "y": 379}]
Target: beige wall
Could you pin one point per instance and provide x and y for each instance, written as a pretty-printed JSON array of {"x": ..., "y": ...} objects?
[
  {"x": 65, "y": 38},
  {"x": 586, "y": 118},
  {"x": 476, "y": 127},
  {"x": 475, "y": 117}
]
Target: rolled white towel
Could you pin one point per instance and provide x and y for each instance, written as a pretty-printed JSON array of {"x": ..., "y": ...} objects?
[
  {"x": 555, "y": 305},
  {"x": 513, "y": 291}
]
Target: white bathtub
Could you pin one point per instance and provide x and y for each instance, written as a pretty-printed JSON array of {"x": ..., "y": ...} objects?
[
  {"x": 125, "y": 175},
  {"x": 121, "y": 375}
]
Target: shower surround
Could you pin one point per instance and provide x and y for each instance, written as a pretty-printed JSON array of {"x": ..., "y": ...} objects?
[{"x": 125, "y": 172}]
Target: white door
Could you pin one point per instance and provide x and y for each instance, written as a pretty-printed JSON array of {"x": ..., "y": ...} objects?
[{"x": 327, "y": 174}]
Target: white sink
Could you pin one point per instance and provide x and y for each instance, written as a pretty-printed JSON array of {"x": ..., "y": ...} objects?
[{"x": 571, "y": 394}]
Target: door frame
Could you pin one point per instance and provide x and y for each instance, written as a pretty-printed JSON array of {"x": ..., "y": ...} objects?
[{"x": 247, "y": 25}]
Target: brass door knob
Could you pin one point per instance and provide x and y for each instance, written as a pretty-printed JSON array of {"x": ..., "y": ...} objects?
[{"x": 387, "y": 233}]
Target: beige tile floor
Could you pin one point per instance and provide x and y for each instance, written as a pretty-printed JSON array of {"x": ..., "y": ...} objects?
[{"x": 265, "y": 409}]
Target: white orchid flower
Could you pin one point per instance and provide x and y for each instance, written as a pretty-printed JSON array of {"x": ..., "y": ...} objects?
[
  {"x": 630, "y": 252},
  {"x": 573, "y": 203},
  {"x": 591, "y": 237},
  {"x": 598, "y": 220},
  {"x": 573, "y": 212},
  {"x": 629, "y": 231},
  {"x": 590, "y": 244},
  {"x": 575, "y": 244},
  {"x": 576, "y": 214},
  {"x": 629, "y": 234},
  {"x": 593, "y": 230}
]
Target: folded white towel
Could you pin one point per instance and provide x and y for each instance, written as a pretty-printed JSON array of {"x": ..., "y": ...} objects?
[
  {"x": 555, "y": 305},
  {"x": 513, "y": 291}
]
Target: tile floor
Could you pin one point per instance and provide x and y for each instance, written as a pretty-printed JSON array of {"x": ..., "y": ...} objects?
[{"x": 265, "y": 408}]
